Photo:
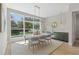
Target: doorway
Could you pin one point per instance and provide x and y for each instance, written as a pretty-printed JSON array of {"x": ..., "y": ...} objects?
[{"x": 75, "y": 24}]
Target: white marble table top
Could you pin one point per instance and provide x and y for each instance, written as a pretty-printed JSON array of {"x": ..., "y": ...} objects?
[{"x": 32, "y": 36}]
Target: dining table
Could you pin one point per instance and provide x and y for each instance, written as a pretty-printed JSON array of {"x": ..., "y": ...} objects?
[{"x": 40, "y": 36}]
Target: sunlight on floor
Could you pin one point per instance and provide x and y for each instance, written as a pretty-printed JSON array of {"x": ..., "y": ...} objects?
[{"x": 23, "y": 42}]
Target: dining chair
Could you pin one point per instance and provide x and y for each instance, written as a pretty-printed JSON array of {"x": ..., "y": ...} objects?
[
  {"x": 42, "y": 40},
  {"x": 49, "y": 39},
  {"x": 34, "y": 42}
]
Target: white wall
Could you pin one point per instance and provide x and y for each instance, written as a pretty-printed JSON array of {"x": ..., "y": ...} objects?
[
  {"x": 74, "y": 7},
  {"x": 64, "y": 24},
  {"x": 3, "y": 43},
  {"x": 73, "y": 27},
  {"x": 3, "y": 35}
]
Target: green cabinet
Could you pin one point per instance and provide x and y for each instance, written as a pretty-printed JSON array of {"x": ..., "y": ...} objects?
[{"x": 61, "y": 36}]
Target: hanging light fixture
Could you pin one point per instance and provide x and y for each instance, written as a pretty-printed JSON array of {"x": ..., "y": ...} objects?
[
  {"x": 37, "y": 8},
  {"x": 37, "y": 15}
]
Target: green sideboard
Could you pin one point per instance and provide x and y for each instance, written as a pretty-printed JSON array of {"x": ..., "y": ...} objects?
[{"x": 63, "y": 36}]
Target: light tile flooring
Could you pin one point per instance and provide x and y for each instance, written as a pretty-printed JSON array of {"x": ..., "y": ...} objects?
[
  {"x": 21, "y": 48},
  {"x": 65, "y": 49}
]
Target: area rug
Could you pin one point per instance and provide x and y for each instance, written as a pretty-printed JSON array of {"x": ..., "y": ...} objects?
[{"x": 21, "y": 48}]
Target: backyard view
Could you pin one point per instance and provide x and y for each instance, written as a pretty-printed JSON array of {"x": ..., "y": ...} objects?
[{"x": 17, "y": 26}]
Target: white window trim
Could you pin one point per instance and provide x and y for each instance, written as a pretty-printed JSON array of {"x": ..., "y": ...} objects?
[{"x": 39, "y": 22}]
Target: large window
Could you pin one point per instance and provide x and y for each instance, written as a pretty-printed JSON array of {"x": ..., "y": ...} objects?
[
  {"x": 37, "y": 25},
  {"x": 28, "y": 25},
  {"x": 23, "y": 25},
  {"x": 32, "y": 25},
  {"x": 16, "y": 24}
]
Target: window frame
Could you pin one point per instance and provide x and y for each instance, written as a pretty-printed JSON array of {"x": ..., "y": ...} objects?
[{"x": 25, "y": 15}]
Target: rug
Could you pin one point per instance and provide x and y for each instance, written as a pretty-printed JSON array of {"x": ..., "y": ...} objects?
[{"x": 21, "y": 48}]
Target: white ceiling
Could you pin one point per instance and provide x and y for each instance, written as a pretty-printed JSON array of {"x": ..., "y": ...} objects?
[
  {"x": 51, "y": 9},
  {"x": 46, "y": 9}
]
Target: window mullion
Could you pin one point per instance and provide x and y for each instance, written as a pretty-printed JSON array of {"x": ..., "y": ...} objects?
[
  {"x": 33, "y": 25},
  {"x": 24, "y": 26}
]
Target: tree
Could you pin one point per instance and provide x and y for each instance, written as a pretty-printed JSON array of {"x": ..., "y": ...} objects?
[
  {"x": 20, "y": 24},
  {"x": 36, "y": 26},
  {"x": 13, "y": 23},
  {"x": 28, "y": 25}
]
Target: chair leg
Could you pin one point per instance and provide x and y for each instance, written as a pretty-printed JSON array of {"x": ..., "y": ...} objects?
[
  {"x": 33, "y": 49},
  {"x": 43, "y": 44},
  {"x": 38, "y": 45},
  {"x": 25, "y": 41},
  {"x": 50, "y": 41},
  {"x": 29, "y": 45}
]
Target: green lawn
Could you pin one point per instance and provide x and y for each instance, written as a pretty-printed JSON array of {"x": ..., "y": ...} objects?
[{"x": 16, "y": 33}]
